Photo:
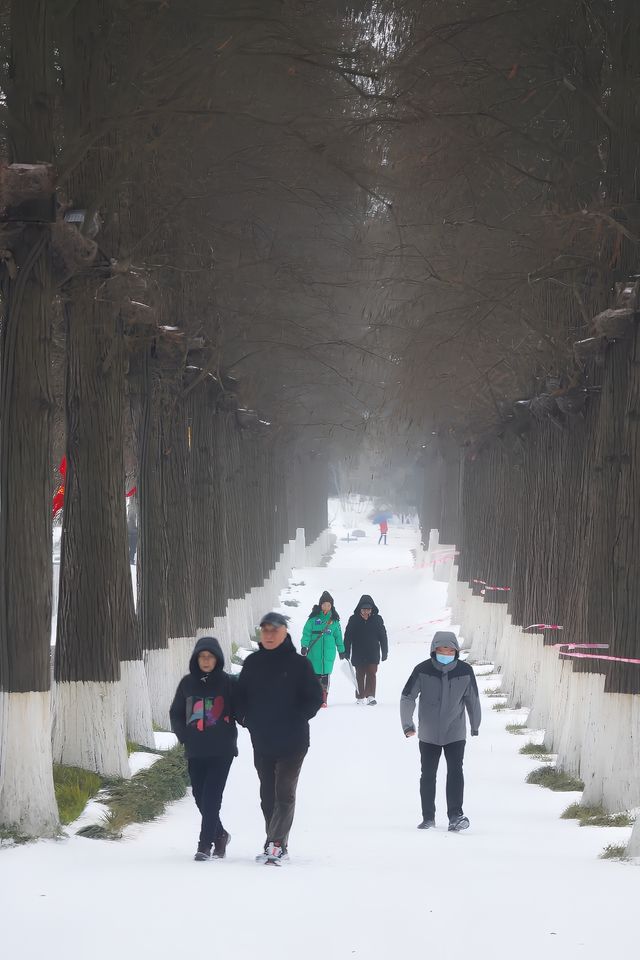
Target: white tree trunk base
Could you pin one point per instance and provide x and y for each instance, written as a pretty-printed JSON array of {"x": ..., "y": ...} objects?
[
  {"x": 162, "y": 683},
  {"x": 88, "y": 727},
  {"x": 137, "y": 705},
  {"x": 27, "y": 798}
]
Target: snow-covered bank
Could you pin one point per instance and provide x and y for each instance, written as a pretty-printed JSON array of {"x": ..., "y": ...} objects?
[{"x": 516, "y": 882}]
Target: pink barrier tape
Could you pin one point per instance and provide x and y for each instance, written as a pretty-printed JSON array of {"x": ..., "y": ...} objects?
[
  {"x": 601, "y": 656},
  {"x": 486, "y": 586},
  {"x": 592, "y": 646}
]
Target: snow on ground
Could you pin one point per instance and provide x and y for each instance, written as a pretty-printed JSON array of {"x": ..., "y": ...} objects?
[{"x": 362, "y": 882}]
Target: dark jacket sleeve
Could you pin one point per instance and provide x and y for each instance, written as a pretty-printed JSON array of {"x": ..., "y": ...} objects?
[
  {"x": 472, "y": 702},
  {"x": 178, "y": 714},
  {"x": 239, "y": 697},
  {"x": 347, "y": 638},
  {"x": 311, "y": 693},
  {"x": 382, "y": 635}
]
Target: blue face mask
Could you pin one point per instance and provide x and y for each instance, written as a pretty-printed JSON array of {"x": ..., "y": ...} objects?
[{"x": 445, "y": 658}]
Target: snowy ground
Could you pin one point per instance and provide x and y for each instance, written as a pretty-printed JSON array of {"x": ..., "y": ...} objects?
[{"x": 362, "y": 882}]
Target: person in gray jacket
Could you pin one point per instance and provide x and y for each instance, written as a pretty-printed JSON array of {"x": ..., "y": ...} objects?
[{"x": 446, "y": 687}]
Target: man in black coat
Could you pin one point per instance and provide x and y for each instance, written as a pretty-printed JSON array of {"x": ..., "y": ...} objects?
[
  {"x": 276, "y": 695},
  {"x": 365, "y": 644},
  {"x": 202, "y": 719}
]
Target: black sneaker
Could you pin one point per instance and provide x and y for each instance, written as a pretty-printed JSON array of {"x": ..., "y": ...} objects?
[
  {"x": 458, "y": 824},
  {"x": 203, "y": 852},
  {"x": 426, "y": 824},
  {"x": 220, "y": 846}
]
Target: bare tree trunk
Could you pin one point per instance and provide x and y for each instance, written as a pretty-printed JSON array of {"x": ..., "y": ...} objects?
[
  {"x": 95, "y": 610},
  {"x": 153, "y": 609},
  {"x": 27, "y": 800}
]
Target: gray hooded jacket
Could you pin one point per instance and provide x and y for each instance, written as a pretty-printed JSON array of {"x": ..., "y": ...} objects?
[{"x": 445, "y": 691}]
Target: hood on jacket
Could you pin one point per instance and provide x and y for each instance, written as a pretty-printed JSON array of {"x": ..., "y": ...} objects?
[
  {"x": 444, "y": 638},
  {"x": 213, "y": 646},
  {"x": 366, "y": 601}
]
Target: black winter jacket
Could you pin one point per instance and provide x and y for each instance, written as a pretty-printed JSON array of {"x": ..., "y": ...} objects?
[
  {"x": 202, "y": 710},
  {"x": 276, "y": 695},
  {"x": 365, "y": 640}
]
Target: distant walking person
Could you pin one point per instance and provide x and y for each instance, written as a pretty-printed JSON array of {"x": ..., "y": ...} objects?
[
  {"x": 366, "y": 644},
  {"x": 446, "y": 687},
  {"x": 384, "y": 529},
  {"x": 202, "y": 719},
  {"x": 276, "y": 695},
  {"x": 321, "y": 638}
]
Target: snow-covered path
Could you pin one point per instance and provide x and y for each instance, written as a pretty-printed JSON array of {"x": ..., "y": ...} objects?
[{"x": 363, "y": 882}]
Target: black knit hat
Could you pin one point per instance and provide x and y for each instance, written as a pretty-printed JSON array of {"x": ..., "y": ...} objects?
[{"x": 325, "y": 598}]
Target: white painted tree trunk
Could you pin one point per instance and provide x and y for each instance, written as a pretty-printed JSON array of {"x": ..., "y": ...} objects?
[
  {"x": 138, "y": 721},
  {"x": 158, "y": 665},
  {"x": 88, "y": 727},
  {"x": 633, "y": 847},
  {"x": 27, "y": 797}
]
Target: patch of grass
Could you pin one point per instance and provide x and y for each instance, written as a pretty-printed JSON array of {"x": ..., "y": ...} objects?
[
  {"x": 291, "y": 603},
  {"x": 493, "y": 692},
  {"x": 143, "y": 797},
  {"x": 11, "y": 838},
  {"x": 518, "y": 728},
  {"x": 73, "y": 788},
  {"x": 133, "y": 747},
  {"x": 500, "y": 706},
  {"x": 158, "y": 729},
  {"x": 555, "y": 779},
  {"x": 614, "y": 851},
  {"x": 534, "y": 749},
  {"x": 609, "y": 820}
]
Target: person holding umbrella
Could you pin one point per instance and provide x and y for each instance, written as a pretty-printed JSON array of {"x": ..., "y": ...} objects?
[
  {"x": 366, "y": 644},
  {"x": 321, "y": 638}
]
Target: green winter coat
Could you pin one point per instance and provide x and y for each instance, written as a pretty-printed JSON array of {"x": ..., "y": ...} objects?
[{"x": 322, "y": 639}]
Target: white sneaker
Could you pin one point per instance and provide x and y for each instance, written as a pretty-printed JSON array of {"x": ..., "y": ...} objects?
[
  {"x": 361, "y": 702},
  {"x": 275, "y": 854},
  {"x": 371, "y": 701}
]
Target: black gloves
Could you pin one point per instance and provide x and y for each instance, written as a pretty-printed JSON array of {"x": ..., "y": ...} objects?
[{"x": 304, "y": 651}]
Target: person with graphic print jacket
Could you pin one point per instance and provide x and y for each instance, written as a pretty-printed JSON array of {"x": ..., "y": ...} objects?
[
  {"x": 202, "y": 719},
  {"x": 447, "y": 689}
]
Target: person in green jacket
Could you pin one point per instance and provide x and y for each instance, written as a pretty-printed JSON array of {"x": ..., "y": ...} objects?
[{"x": 321, "y": 637}]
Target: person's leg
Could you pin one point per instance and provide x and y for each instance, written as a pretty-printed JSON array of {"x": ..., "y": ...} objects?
[
  {"x": 197, "y": 776},
  {"x": 379, "y": 539},
  {"x": 214, "y": 784},
  {"x": 287, "y": 771},
  {"x": 324, "y": 683},
  {"x": 454, "y": 754},
  {"x": 429, "y": 759},
  {"x": 370, "y": 681},
  {"x": 266, "y": 769},
  {"x": 361, "y": 678}
]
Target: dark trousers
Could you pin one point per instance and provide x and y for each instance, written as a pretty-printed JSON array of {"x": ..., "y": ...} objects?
[
  {"x": 382, "y": 537},
  {"x": 278, "y": 782},
  {"x": 430, "y": 757},
  {"x": 366, "y": 678},
  {"x": 208, "y": 777}
]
